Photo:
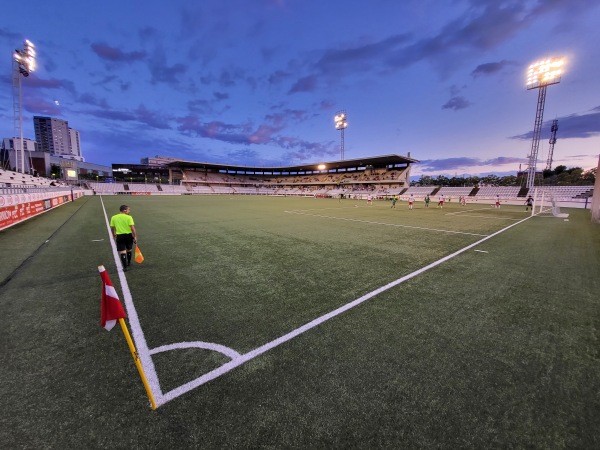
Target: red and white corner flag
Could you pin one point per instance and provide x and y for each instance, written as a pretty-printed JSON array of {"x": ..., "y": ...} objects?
[{"x": 111, "y": 309}]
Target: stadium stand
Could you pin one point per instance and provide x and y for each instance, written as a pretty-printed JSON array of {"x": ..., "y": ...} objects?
[
  {"x": 567, "y": 192},
  {"x": 505, "y": 192},
  {"x": 17, "y": 179},
  {"x": 455, "y": 191},
  {"x": 107, "y": 188},
  {"x": 419, "y": 191}
]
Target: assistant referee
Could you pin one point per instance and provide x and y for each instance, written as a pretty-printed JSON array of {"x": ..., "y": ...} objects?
[{"x": 124, "y": 233}]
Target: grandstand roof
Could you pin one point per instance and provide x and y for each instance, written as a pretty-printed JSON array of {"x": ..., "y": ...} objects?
[{"x": 375, "y": 161}]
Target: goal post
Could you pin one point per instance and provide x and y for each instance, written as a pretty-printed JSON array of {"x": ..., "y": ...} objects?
[{"x": 546, "y": 205}]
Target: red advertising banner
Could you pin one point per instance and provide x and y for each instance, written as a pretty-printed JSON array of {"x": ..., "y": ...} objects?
[
  {"x": 15, "y": 208},
  {"x": 14, "y": 214}
]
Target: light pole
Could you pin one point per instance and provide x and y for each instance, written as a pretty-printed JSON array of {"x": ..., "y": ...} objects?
[
  {"x": 341, "y": 124},
  {"x": 552, "y": 141},
  {"x": 539, "y": 76},
  {"x": 23, "y": 64}
]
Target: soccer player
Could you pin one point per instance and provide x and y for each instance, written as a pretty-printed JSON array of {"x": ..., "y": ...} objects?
[
  {"x": 369, "y": 199},
  {"x": 394, "y": 202},
  {"x": 441, "y": 202},
  {"x": 529, "y": 203},
  {"x": 411, "y": 200},
  {"x": 497, "y": 201},
  {"x": 124, "y": 233},
  {"x": 427, "y": 200}
]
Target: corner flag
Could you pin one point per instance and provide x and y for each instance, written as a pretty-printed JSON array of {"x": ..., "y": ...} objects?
[{"x": 110, "y": 307}]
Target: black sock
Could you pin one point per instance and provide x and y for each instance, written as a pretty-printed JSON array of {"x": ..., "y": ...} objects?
[
  {"x": 128, "y": 257},
  {"x": 123, "y": 259}
]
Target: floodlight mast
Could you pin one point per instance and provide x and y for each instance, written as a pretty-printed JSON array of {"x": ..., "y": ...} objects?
[
  {"x": 552, "y": 141},
  {"x": 23, "y": 64},
  {"x": 539, "y": 76},
  {"x": 341, "y": 124}
]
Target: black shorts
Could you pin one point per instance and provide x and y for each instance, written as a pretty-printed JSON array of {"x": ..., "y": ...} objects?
[{"x": 124, "y": 242}]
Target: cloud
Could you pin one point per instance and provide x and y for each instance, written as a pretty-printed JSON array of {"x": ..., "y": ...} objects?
[
  {"x": 9, "y": 36},
  {"x": 141, "y": 115},
  {"x": 34, "y": 82},
  {"x": 230, "y": 133},
  {"x": 281, "y": 118},
  {"x": 463, "y": 163},
  {"x": 91, "y": 99},
  {"x": 339, "y": 60},
  {"x": 263, "y": 134},
  {"x": 325, "y": 105},
  {"x": 278, "y": 77},
  {"x": 115, "y": 54},
  {"x": 491, "y": 68},
  {"x": 151, "y": 118},
  {"x": 38, "y": 106},
  {"x": 456, "y": 103},
  {"x": 305, "y": 84},
  {"x": 119, "y": 144},
  {"x": 308, "y": 151},
  {"x": 572, "y": 126},
  {"x": 483, "y": 26},
  {"x": 162, "y": 73},
  {"x": 220, "y": 95}
]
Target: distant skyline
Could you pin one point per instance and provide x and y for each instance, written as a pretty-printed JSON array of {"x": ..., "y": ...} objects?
[{"x": 258, "y": 82}]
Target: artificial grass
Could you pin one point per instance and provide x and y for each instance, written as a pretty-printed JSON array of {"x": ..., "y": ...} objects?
[{"x": 494, "y": 349}]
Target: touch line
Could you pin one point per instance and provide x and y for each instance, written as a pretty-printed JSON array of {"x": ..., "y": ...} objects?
[{"x": 134, "y": 322}]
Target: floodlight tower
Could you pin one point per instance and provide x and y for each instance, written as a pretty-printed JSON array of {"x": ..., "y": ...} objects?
[
  {"x": 553, "y": 130},
  {"x": 539, "y": 76},
  {"x": 341, "y": 124},
  {"x": 23, "y": 64}
]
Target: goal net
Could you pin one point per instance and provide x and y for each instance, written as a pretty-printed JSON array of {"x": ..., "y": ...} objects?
[{"x": 546, "y": 205}]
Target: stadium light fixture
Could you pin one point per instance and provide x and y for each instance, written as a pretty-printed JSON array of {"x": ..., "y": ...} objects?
[
  {"x": 545, "y": 72},
  {"x": 341, "y": 124},
  {"x": 540, "y": 75},
  {"x": 321, "y": 167},
  {"x": 23, "y": 64}
]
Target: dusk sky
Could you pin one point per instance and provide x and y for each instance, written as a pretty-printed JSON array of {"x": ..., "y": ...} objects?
[{"x": 257, "y": 82}]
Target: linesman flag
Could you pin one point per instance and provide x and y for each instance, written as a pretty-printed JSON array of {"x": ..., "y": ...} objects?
[
  {"x": 111, "y": 309},
  {"x": 139, "y": 258}
]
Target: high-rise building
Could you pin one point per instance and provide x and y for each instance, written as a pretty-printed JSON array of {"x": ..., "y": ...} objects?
[
  {"x": 55, "y": 137},
  {"x": 75, "y": 144}
]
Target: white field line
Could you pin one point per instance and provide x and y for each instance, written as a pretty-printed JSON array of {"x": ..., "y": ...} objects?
[
  {"x": 383, "y": 223},
  {"x": 134, "y": 322},
  {"x": 477, "y": 215},
  {"x": 323, "y": 209},
  {"x": 242, "y": 359},
  {"x": 461, "y": 212},
  {"x": 239, "y": 359},
  {"x": 487, "y": 217}
]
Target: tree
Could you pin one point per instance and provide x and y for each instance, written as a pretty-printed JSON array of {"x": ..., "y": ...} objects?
[
  {"x": 492, "y": 180},
  {"x": 589, "y": 176},
  {"x": 509, "y": 180}
]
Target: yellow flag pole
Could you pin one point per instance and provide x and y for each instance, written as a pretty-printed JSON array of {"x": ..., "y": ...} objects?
[{"x": 138, "y": 363}]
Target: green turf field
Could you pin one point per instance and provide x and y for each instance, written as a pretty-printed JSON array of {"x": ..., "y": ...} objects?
[{"x": 342, "y": 324}]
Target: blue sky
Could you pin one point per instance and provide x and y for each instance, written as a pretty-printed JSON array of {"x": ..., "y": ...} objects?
[{"x": 257, "y": 82}]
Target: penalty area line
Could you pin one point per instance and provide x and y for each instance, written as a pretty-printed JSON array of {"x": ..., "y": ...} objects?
[
  {"x": 385, "y": 224},
  {"x": 244, "y": 358}
]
